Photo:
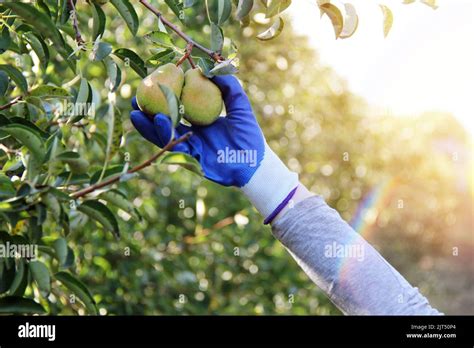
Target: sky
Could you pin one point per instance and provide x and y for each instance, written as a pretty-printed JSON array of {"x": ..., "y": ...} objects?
[{"x": 425, "y": 64}]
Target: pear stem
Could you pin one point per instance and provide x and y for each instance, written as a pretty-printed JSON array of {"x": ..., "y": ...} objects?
[
  {"x": 191, "y": 62},
  {"x": 187, "y": 55},
  {"x": 145, "y": 164},
  {"x": 214, "y": 55}
]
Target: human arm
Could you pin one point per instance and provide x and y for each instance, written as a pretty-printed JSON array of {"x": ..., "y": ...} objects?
[
  {"x": 356, "y": 278},
  {"x": 300, "y": 220}
]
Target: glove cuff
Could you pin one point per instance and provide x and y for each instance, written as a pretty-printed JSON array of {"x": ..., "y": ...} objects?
[{"x": 271, "y": 184}]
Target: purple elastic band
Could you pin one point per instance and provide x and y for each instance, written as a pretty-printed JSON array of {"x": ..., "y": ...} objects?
[{"x": 278, "y": 209}]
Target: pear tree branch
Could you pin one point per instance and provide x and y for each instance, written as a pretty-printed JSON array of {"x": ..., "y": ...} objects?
[
  {"x": 145, "y": 164},
  {"x": 10, "y": 103},
  {"x": 80, "y": 41},
  {"x": 214, "y": 55}
]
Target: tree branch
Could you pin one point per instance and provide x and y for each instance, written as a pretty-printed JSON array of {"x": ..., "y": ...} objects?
[
  {"x": 199, "y": 238},
  {"x": 6, "y": 149},
  {"x": 11, "y": 103},
  {"x": 214, "y": 55},
  {"x": 145, "y": 164},
  {"x": 80, "y": 41}
]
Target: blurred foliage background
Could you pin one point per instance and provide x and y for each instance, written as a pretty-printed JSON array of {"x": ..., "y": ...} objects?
[{"x": 404, "y": 183}]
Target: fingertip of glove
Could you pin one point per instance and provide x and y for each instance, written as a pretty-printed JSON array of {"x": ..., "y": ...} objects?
[
  {"x": 134, "y": 103},
  {"x": 226, "y": 81},
  {"x": 138, "y": 117},
  {"x": 161, "y": 120},
  {"x": 163, "y": 126}
]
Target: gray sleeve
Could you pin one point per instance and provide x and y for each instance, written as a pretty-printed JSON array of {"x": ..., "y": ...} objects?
[{"x": 357, "y": 279}]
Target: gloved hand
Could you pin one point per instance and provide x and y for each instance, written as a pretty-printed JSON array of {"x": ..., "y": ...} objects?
[{"x": 232, "y": 151}]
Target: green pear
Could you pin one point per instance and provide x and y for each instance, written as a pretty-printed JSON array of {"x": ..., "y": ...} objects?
[
  {"x": 201, "y": 98},
  {"x": 150, "y": 98}
]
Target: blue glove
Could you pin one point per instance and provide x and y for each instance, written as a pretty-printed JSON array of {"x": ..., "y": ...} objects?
[{"x": 232, "y": 151}]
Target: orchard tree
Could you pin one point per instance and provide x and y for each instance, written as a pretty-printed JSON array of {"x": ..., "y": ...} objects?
[{"x": 64, "y": 160}]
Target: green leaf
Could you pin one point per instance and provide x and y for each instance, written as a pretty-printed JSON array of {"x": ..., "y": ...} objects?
[
  {"x": 161, "y": 26},
  {"x": 79, "y": 289},
  {"x": 70, "y": 258},
  {"x": 275, "y": 7},
  {"x": 12, "y": 165},
  {"x": 68, "y": 156},
  {"x": 3, "y": 121},
  {"x": 20, "y": 282},
  {"x": 41, "y": 21},
  {"x": 111, "y": 171},
  {"x": 67, "y": 54},
  {"x": 25, "y": 122},
  {"x": 113, "y": 72},
  {"x": 161, "y": 39},
  {"x": 7, "y": 189},
  {"x": 43, "y": 7},
  {"x": 77, "y": 164},
  {"x": 117, "y": 133},
  {"x": 387, "y": 19},
  {"x": 40, "y": 274},
  {"x": 7, "y": 274},
  {"x": 206, "y": 65},
  {"x": 28, "y": 137},
  {"x": 61, "y": 250},
  {"x": 161, "y": 58},
  {"x": 83, "y": 93},
  {"x": 71, "y": 178},
  {"x": 53, "y": 205},
  {"x": 224, "y": 68},
  {"x": 183, "y": 160},
  {"x": 224, "y": 8},
  {"x": 5, "y": 40},
  {"x": 114, "y": 131},
  {"x": 39, "y": 47},
  {"x": 120, "y": 200},
  {"x": 62, "y": 13},
  {"x": 177, "y": 7},
  {"x": 47, "y": 91},
  {"x": 4, "y": 83},
  {"x": 20, "y": 305},
  {"x": 243, "y": 9},
  {"x": 62, "y": 196},
  {"x": 25, "y": 189},
  {"x": 173, "y": 104},
  {"x": 273, "y": 31},
  {"x": 16, "y": 76},
  {"x": 99, "y": 212},
  {"x": 126, "y": 10},
  {"x": 98, "y": 21},
  {"x": 44, "y": 25},
  {"x": 131, "y": 59},
  {"x": 33, "y": 168},
  {"x": 217, "y": 38},
  {"x": 35, "y": 102},
  {"x": 101, "y": 50}
]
